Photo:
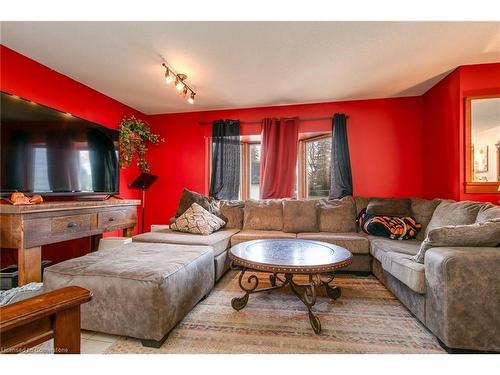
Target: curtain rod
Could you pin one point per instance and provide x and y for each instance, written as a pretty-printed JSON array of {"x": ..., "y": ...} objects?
[{"x": 286, "y": 118}]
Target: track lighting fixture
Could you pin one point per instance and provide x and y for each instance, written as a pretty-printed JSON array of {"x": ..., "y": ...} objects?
[{"x": 180, "y": 83}]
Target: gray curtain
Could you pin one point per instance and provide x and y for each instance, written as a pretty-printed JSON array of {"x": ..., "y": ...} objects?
[
  {"x": 341, "y": 183},
  {"x": 225, "y": 179}
]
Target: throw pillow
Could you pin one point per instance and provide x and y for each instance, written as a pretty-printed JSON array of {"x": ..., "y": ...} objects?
[
  {"x": 263, "y": 214},
  {"x": 233, "y": 213},
  {"x": 393, "y": 227},
  {"x": 451, "y": 213},
  {"x": 189, "y": 197},
  {"x": 472, "y": 235},
  {"x": 337, "y": 215},
  {"x": 197, "y": 220},
  {"x": 389, "y": 207},
  {"x": 300, "y": 216}
]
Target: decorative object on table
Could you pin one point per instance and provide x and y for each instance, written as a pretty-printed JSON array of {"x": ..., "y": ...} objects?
[
  {"x": 134, "y": 135},
  {"x": 197, "y": 220},
  {"x": 393, "y": 227},
  {"x": 18, "y": 198},
  {"x": 480, "y": 159},
  {"x": 180, "y": 83},
  {"x": 143, "y": 182},
  {"x": 284, "y": 259}
]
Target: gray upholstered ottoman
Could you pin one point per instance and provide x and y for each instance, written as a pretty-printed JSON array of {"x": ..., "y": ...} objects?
[{"x": 140, "y": 290}]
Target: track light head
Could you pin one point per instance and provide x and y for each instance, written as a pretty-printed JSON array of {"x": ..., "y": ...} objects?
[
  {"x": 190, "y": 100},
  {"x": 179, "y": 82}
]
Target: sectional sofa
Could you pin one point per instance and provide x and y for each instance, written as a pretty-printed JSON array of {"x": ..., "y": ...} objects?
[{"x": 454, "y": 290}]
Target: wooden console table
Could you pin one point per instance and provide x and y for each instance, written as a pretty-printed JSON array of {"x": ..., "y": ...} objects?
[{"x": 27, "y": 228}]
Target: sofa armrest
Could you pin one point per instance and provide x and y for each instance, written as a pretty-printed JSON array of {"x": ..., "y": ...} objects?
[{"x": 463, "y": 296}]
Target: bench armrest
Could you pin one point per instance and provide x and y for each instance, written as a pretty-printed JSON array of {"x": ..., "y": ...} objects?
[{"x": 463, "y": 296}]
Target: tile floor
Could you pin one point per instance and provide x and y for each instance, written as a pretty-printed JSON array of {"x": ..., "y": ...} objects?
[{"x": 92, "y": 343}]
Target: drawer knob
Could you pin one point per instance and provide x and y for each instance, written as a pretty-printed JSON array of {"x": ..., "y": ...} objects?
[
  {"x": 111, "y": 219},
  {"x": 72, "y": 224}
]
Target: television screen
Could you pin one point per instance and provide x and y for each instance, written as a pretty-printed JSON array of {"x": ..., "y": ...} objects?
[{"x": 50, "y": 152}]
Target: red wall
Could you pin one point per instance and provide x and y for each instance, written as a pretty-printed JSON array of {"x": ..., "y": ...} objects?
[
  {"x": 385, "y": 140},
  {"x": 30, "y": 80},
  {"x": 444, "y": 128}
]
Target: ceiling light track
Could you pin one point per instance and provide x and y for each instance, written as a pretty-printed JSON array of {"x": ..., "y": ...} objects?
[{"x": 180, "y": 83}]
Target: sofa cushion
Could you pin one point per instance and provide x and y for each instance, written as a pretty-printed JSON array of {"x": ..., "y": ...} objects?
[
  {"x": 389, "y": 207},
  {"x": 485, "y": 234},
  {"x": 422, "y": 210},
  {"x": 219, "y": 241},
  {"x": 263, "y": 214},
  {"x": 232, "y": 212},
  {"x": 379, "y": 246},
  {"x": 189, "y": 197},
  {"x": 197, "y": 220},
  {"x": 300, "y": 216},
  {"x": 337, "y": 215},
  {"x": 405, "y": 269},
  {"x": 249, "y": 235},
  {"x": 356, "y": 243},
  {"x": 454, "y": 213},
  {"x": 489, "y": 212}
]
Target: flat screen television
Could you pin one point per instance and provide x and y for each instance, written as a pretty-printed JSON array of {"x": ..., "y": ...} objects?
[{"x": 50, "y": 152}]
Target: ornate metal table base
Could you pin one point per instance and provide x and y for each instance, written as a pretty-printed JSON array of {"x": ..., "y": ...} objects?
[{"x": 305, "y": 292}]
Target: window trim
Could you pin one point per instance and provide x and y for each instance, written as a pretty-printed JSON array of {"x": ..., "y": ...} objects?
[
  {"x": 302, "y": 174},
  {"x": 471, "y": 186},
  {"x": 245, "y": 173}
]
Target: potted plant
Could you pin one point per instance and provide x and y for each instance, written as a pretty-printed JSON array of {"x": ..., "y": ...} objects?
[{"x": 135, "y": 134}]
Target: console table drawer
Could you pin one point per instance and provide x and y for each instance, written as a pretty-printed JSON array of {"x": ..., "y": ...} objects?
[
  {"x": 116, "y": 218},
  {"x": 44, "y": 230},
  {"x": 70, "y": 224}
]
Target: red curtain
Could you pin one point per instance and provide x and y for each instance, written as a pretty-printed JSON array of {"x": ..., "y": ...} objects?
[{"x": 278, "y": 157}]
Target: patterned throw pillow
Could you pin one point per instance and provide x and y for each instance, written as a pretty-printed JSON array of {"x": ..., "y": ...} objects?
[
  {"x": 393, "y": 227},
  {"x": 197, "y": 220}
]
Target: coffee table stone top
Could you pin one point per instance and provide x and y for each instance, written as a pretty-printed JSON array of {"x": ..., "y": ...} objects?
[{"x": 290, "y": 255}]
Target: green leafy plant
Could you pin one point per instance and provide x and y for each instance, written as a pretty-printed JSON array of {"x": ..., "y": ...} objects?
[{"x": 135, "y": 134}]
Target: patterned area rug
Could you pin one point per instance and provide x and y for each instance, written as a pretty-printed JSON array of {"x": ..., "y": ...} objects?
[{"x": 365, "y": 319}]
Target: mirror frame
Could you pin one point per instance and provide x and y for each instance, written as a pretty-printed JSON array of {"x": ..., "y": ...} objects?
[{"x": 472, "y": 186}]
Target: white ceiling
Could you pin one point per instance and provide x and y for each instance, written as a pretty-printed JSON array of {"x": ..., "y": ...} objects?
[{"x": 251, "y": 64}]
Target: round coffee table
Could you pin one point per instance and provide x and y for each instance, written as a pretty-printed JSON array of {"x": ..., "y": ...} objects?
[{"x": 284, "y": 259}]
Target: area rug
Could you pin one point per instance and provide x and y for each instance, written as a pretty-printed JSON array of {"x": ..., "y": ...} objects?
[{"x": 365, "y": 319}]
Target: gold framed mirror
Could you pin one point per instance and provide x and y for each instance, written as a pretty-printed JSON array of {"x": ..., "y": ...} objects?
[{"x": 482, "y": 144}]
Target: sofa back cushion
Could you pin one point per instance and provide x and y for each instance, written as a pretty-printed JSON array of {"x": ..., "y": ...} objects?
[
  {"x": 489, "y": 212},
  {"x": 263, "y": 214},
  {"x": 300, "y": 216},
  {"x": 422, "y": 210},
  {"x": 232, "y": 212},
  {"x": 485, "y": 234},
  {"x": 337, "y": 215},
  {"x": 389, "y": 207},
  {"x": 361, "y": 203},
  {"x": 449, "y": 212}
]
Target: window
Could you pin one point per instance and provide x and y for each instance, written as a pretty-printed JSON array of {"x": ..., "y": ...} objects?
[
  {"x": 315, "y": 176},
  {"x": 313, "y": 167}
]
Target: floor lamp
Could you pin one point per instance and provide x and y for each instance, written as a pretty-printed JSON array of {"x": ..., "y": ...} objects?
[{"x": 143, "y": 182}]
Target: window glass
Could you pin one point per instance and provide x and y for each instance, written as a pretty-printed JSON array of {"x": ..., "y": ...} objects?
[
  {"x": 317, "y": 165},
  {"x": 254, "y": 171},
  {"x": 485, "y": 139}
]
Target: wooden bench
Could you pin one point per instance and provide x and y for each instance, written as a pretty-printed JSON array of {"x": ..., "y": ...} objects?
[{"x": 55, "y": 314}]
